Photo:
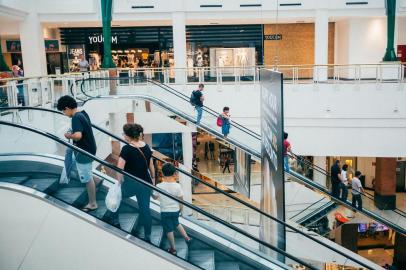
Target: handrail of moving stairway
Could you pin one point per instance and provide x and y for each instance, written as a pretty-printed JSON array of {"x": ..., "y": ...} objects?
[
  {"x": 215, "y": 188},
  {"x": 152, "y": 187},
  {"x": 237, "y": 144},
  {"x": 176, "y": 93}
]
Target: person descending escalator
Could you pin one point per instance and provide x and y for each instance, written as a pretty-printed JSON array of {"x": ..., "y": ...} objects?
[
  {"x": 287, "y": 148},
  {"x": 335, "y": 179},
  {"x": 196, "y": 100},
  {"x": 82, "y": 136},
  {"x": 136, "y": 159}
]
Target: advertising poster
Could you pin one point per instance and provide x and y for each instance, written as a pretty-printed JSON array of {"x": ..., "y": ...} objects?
[
  {"x": 273, "y": 192},
  {"x": 75, "y": 54},
  {"x": 51, "y": 45},
  {"x": 13, "y": 46}
]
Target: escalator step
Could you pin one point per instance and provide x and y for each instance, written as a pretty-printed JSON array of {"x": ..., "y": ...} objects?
[
  {"x": 14, "y": 179},
  {"x": 227, "y": 266},
  {"x": 181, "y": 247},
  {"x": 101, "y": 210},
  {"x": 128, "y": 221},
  {"x": 156, "y": 234},
  {"x": 69, "y": 195},
  {"x": 40, "y": 184},
  {"x": 202, "y": 258}
]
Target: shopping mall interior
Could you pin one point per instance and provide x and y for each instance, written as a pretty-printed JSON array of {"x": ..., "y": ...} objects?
[{"x": 202, "y": 134}]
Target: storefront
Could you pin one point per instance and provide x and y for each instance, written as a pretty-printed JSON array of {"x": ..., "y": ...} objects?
[
  {"x": 13, "y": 56},
  {"x": 132, "y": 47},
  {"x": 208, "y": 46}
]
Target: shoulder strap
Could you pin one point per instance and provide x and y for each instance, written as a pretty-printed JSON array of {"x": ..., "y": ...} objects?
[{"x": 146, "y": 162}]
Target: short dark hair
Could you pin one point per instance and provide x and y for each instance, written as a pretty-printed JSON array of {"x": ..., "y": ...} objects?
[
  {"x": 285, "y": 135},
  {"x": 168, "y": 169},
  {"x": 358, "y": 174},
  {"x": 337, "y": 161},
  {"x": 133, "y": 130},
  {"x": 345, "y": 167},
  {"x": 66, "y": 102},
  {"x": 226, "y": 109},
  {"x": 201, "y": 85}
]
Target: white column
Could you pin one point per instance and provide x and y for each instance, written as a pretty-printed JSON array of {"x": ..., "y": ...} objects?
[
  {"x": 179, "y": 45},
  {"x": 32, "y": 46},
  {"x": 318, "y": 177},
  {"x": 321, "y": 45},
  {"x": 186, "y": 182}
]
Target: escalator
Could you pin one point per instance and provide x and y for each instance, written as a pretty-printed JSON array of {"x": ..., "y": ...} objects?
[
  {"x": 161, "y": 95},
  {"x": 332, "y": 252},
  {"x": 36, "y": 163}
]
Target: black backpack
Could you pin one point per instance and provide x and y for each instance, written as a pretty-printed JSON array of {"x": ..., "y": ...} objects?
[{"x": 193, "y": 99}]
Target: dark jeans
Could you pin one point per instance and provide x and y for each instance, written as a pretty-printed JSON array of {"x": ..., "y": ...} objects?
[
  {"x": 143, "y": 194},
  {"x": 335, "y": 190},
  {"x": 344, "y": 192},
  {"x": 357, "y": 201}
]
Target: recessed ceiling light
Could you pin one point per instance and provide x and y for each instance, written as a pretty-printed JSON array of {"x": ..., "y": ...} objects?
[{"x": 214, "y": 23}]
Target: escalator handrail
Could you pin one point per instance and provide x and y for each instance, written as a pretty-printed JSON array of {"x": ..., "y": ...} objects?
[
  {"x": 150, "y": 186},
  {"x": 180, "y": 95},
  {"x": 215, "y": 188},
  {"x": 316, "y": 202},
  {"x": 365, "y": 211},
  {"x": 365, "y": 195}
]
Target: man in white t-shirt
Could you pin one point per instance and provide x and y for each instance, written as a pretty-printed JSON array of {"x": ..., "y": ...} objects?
[
  {"x": 356, "y": 191},
  {"x": 170, "y": 209}
]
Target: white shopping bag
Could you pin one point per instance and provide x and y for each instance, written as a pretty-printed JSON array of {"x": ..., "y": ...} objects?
[
  {"x": 64, "y": 178},
  {"x": 113, "y": 198}
]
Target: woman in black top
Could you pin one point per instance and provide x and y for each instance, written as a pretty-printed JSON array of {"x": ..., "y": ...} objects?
[{"x": 136, "y": 159}]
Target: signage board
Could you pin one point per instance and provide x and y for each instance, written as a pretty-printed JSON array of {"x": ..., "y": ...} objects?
[
  {"x": 272, "y": 182},
  {"x": 13, "y": 46},
  {"x": 273, "y": 37}
]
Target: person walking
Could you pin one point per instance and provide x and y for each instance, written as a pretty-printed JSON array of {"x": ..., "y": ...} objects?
[
  {"x": 136, "y": 159},
  {"x": 19, "y": 72},
  {"x": 335, "y": 179},
  {"x": 357, "y": 189},
  {"x": 344, "y": 183},
  {"x": 227, "y": 162},
  {"x": 196, "y": 100},
  {"x": 171, "y": 209},
  {"x": 206, "y": 150},
  {"x": 225, "y": 116},
  {"x": 287, "y": 148},
  {"x": 212, "y": 149},
  {"x": 82, "y": 136}
]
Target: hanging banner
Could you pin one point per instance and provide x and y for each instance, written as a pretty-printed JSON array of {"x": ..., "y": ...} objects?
[
  {"x": 75, "y": 54},
  {"x": 51, "y": 45},
  {"x": 272, "y": 182},
  {"x": 13, "y": 46}
]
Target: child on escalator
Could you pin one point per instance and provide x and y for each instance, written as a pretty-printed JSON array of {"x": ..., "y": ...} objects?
[{"x": 171, "y": 209}]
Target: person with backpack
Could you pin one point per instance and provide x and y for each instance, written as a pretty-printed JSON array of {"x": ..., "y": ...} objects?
[
  {"x": 196, "y": 99},
  {"x": 224, "y": 121}
]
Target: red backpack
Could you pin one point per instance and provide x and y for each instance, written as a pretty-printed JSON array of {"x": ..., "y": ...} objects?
[{"x": 219, "y": 121}]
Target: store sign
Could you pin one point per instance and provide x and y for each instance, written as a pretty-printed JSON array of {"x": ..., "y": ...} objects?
[
  {"x": 100, "y": 39},
  {"x": 13, "y": 46},
  {"x": 273, "y": 37},
  {"x": 272, "y": 182},
  {"x": 51, "y": 45}
]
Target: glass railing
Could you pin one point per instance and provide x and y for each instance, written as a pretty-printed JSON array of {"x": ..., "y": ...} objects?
[
  {"x": 22, "y": 139},
  {"x": 233, "y": 209}
]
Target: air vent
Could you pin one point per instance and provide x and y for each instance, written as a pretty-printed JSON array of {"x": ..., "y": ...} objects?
[
  {"x": 290, "y": 4},
  {"x": 251, "y": 5},
  {"x": 138, "y": 7},
  {"x": 211, "y": 6},
  {"x": 356, "y": 3}
]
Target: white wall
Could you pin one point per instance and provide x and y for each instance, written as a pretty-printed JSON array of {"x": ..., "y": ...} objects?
[
  {"x": 401, "y": 33},
  {"x": 58, "y": 240}
]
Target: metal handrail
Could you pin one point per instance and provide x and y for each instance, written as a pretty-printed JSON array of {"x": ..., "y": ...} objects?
[
  {"x": 221, "y": 191},
  {"x": 148, "y": 185}
]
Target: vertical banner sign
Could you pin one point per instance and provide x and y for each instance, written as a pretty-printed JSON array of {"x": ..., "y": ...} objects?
[{"x": 272, "y": 182}]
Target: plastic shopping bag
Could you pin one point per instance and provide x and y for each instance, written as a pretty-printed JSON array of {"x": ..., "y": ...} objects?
[
  {"x": 68, "y": 167},
  {"x": 113, "y": 198}
]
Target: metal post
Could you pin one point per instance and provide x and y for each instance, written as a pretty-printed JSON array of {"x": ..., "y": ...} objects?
[
  {"x": 390, "y": 54},
  {"x": 106, "y": 7}
]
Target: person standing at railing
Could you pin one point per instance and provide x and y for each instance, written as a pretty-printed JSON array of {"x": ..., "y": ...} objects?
[
  {"x": 83, "y": 65},
  {"x": 196, "y": 100},
  {"x": 18, "y": 72},
  {"x": 357, "y": 189},
  {"x": 335, "y": 179},
  {"x": 344, "y": 183},
  {"x": 287, "y": 148},
  {"x": 82, "y": 136}
]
